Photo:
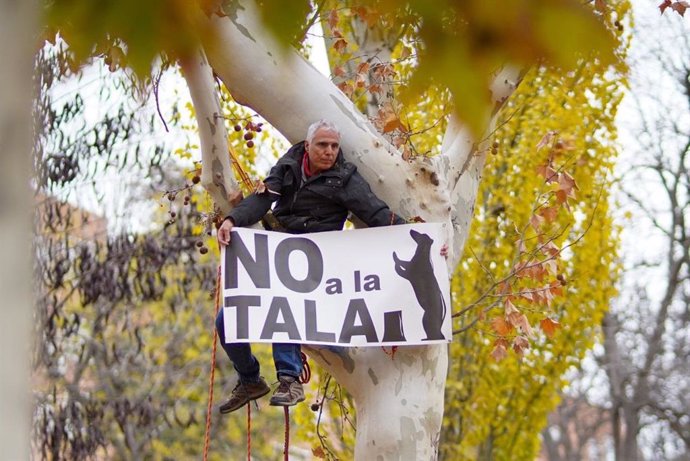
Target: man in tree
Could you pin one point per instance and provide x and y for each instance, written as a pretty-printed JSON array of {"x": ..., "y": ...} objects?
[{"x": 314, "y": 189}]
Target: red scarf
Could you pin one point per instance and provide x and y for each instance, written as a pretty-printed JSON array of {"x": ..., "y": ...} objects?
[{"x": 305, "y": 165}]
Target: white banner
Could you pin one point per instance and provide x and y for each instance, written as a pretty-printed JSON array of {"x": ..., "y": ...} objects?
[{"x": 381, "y": 286}]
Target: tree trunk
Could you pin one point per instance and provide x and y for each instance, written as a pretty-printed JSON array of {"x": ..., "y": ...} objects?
[
  {"x": 629, "y": 450},
  {"x": 17, "y": 41}
]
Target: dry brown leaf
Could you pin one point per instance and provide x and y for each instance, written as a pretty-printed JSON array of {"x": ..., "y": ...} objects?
[
  {"x": 509, "y": 309},
  {"x": 549, "y": 213},
  {"x": 520, "y": 344},
  {"x": 546, "y": 140},
  {"x": 318, "y": 452},
  {"x": 548, "y": 173},
  {"x": 500, "y": 350},
  {"x": 340, "y": 45},
  {"x": 333, "y": 19},
  {"x": 363, "y": 67}
]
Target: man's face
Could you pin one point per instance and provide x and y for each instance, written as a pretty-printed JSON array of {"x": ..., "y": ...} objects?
[{"x": 322, "y": 150}]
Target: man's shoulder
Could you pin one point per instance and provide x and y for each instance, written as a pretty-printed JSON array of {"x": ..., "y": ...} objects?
[
  {"x": 293, "y": 157},
  {"x": 348, "y": 168},
  {"x": 295, "y": 152}
]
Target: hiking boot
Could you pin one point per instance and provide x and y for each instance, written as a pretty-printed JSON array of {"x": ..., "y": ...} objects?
[
  {"x": 289, "y": 392},
  {"x": 243, "y": 393}
]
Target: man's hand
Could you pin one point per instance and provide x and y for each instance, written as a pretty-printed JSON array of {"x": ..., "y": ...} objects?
[
  {"x": 224, "y": 231},
  {"x": 444, "y": 250}
]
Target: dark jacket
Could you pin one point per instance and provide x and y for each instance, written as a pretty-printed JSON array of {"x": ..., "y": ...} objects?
[{"x": 319, "y": 204}]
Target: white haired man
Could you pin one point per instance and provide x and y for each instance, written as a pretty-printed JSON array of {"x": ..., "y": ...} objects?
[{"x": 314, "y": 189}]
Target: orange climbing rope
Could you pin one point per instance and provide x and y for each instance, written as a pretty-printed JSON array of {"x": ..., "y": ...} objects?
[
  {"x": 306, "y": 370},
  {"x": 286, "y": 447},
  {"x": 207, "y": 435},
  {"x": 249, "y": 431},
  {"x": 249, "y": 184}
]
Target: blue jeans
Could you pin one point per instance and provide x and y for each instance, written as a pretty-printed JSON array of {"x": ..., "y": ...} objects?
[{"x": 286, "y": 357}]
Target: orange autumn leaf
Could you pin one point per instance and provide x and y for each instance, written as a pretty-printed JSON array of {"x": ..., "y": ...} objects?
[
  {"x": 347, "y": 88},
  {"x": 340, "y": 45},
  {"x": 363, "y": 67},
  {"x": 318, "y": 452},
  {"x": 549, "y": 213},
  {"x": 376, "y": 88},
  {"x": 392, "y": 122},
  {"x": 549, "y": 326},
  {"x": 680, "y": 7},
  {"x": 500, "y": 326},
  {"x": 562, "y": 197},
  {"x": 556, "y": 289}
]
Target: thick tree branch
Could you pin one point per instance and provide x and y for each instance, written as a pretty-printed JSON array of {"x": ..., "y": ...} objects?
[
  {"x": 465, "y": 159},
  {"x": 216, "y": 173}
]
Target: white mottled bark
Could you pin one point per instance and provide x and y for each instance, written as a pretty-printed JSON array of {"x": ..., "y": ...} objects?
[
  {"x": 216, "y": 173},
  {"x": 466, "y": 157},
  {"x": 399, "y": 401},
  {"x": 17, "y": 41}
]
